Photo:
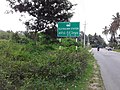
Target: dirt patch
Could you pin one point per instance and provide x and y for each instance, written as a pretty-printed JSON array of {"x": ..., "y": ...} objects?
[{"x": 96, "y": 82}]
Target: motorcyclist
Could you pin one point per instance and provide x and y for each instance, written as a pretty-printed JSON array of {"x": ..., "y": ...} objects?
[{"x": 98, "y": 48}]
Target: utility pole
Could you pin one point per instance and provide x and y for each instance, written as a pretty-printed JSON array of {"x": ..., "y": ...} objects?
[
  {"x": 84, "y": 33},
  {"x": 88, "y": 43}
]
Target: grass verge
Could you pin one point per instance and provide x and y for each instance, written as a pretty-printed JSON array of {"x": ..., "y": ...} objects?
[{"x": 96, "y": 82}]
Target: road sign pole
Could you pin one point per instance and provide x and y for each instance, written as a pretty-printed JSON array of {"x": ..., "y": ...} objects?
[
  {"x": 76, "y": 45},
  {"x": 84, "y": 33},
  {"x": 60, "y": 40}
]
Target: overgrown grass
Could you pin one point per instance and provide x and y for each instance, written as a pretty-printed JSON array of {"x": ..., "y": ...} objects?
[
  {"x": 117, "y": 50},
  {"x": 44, "y": 67}
]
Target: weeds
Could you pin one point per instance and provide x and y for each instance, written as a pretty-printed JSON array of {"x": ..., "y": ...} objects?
[{"x": 42, "y": 67}]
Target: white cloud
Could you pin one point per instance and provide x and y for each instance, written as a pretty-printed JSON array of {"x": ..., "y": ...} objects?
[{"x": 9, "y": 21}]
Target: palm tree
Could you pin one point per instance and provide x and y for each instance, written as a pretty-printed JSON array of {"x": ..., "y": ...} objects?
[
  {"x": 105, "y": 32},
  {"x": 115, "y": 25}
]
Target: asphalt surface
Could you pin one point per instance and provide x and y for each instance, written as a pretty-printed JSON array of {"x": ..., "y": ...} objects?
[{"x": 109, "y": 62}]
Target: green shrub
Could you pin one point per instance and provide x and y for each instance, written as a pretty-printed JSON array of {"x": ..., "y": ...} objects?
[
  {"x": 67, "y": 42},
  {"x": 42, "y": 67}
]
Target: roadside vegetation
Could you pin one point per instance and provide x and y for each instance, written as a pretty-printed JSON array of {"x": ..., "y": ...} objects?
[
  {"x": 37, "y": 66},
  {"x": 32, "y": 60},
  {"x": 117, "y": 50}
]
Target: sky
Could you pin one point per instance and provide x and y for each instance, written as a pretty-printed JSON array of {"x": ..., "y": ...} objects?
[
  {"x": 9, "y": 21},
  {"x": 96, "y": 13}
]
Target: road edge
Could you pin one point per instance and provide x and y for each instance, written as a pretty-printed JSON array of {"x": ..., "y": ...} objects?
[{"x": 96, "y": 81}]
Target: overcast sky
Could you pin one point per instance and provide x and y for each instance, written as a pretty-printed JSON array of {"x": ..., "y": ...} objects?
[{"x": 96, "y": 13}]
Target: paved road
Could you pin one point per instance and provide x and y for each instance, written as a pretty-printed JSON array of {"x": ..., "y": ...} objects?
[{"x": 109, "y": 62}]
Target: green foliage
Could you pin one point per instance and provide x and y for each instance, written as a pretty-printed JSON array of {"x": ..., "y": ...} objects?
[
  {"x": 112, "y": 30},
  {"x": 15, "y": 37},
  {"x": 42, "y": 67},
  {"x": 6, "y": 35},
  {"x": 67, "y": 42},
  {"x": 19, "y": 38},
  {"x": 96, "y": 40},
  {"x": 45, "y": 14}
]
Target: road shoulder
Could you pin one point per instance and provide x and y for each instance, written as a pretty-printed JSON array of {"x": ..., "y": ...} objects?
[{"x": 96, "y": 82}]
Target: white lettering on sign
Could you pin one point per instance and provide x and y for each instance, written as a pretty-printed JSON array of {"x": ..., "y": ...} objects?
[
  {"x": 74, "y": 33},
  {"x": 68, "y": 28},
  {"x": 61, "y": 32},
  {"x": 68, "y": 25},
  {"x": 74, "y": 28}
]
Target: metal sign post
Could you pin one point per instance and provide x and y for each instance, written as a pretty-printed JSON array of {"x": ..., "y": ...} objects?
[
  {"x": 84, "y": 33},
  {"x": 60, "y": 40},
  {"x": 76, "y": 45}
]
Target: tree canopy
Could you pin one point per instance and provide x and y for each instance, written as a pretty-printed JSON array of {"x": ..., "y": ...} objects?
[
  {"x": 96, "y": 40},
  {"x": 113, "y": 27},
  {"x": 46, "y": 13}
]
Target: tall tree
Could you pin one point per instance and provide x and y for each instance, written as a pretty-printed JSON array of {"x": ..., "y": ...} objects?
[
  {"x": 105, "y": 32},
  {"x": 97, "y": 40},
  {"x": 114, "y": 27},
  {"x": 46, "y": 13}
]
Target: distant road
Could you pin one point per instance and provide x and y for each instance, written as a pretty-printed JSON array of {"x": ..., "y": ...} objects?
[{"x": 109, "y": 62}]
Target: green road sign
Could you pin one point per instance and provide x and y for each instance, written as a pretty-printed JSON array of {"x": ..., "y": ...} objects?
[{"x": 68, "y": 29}]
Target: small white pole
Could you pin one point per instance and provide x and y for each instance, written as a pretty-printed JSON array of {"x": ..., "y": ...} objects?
[
  {"x": 60, "y": 40},
  {"x": 88, "y": 43},
  {"x": 76, "y": 46},
  {"x": 84, "y": 33}
]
